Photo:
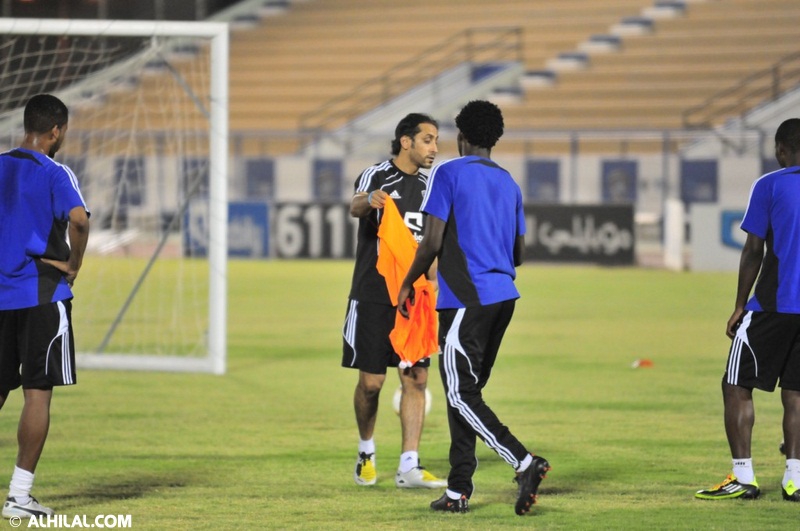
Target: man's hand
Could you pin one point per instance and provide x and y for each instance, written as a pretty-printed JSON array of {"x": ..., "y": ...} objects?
[
  {"x": 70, "y": 276},
  {"x": 734, "y": 322},
  {"x": 406, "y": 294},
  {"x": 377, "y": 199},
  {"x": 363, "y": 204},
  {"x": 78, "y": 237}
]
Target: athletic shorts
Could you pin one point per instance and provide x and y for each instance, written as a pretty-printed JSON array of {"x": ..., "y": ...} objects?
[
  {"x": 765, "y": 349},
  {"x": 37, "y": 350},
  {"x": 366, "y": 344}
]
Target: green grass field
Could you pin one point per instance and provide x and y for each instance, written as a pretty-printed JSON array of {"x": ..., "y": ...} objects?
[{"x": 271, "y": 445}]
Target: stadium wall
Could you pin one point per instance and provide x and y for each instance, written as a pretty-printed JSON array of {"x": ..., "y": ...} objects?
[
  {"x": 708, "y": 188},
  {"x": 646, "y": 182}
]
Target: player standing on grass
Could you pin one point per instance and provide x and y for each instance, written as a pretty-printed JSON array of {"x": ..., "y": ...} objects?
[
  {"x": 766, "y": 328},
  {"x": 476, "y": 227},
  {"x": 40, "y": 203},
  {"x": 370, "y": 313}
]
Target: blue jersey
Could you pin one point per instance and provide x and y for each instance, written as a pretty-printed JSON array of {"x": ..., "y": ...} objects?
[
  {"x": 36, "y": 196},
  {"x": 773, "y": 214},
  {"x": 482, "y": 206}
]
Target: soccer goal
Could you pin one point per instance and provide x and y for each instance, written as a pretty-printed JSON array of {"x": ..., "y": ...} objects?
[{"x": 148, "y": 140}]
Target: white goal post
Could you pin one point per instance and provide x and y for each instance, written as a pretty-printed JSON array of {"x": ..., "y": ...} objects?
[{"x": 148, "y": 132}]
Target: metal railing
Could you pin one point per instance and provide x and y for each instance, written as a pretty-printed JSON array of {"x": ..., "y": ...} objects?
[
  {"x": 756, "y": 89},
  {"x": 474, "y": 45}
]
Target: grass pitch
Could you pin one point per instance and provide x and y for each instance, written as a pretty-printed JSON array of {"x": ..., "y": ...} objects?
[{"x": 271, "y": 445}]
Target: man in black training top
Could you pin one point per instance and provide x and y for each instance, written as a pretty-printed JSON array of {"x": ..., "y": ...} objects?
[{"x": 370, "y": 313}]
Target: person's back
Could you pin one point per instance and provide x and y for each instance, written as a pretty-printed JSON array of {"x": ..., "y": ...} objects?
[
  {"x": 774, "y": 214},
  {"x": 476, "y": 228},
  {"x": 485, "y": 222},
  {"x": 40, "y": 206},
  {"x": 765, "y": 329},
  {"x": 37, "y": 194}
]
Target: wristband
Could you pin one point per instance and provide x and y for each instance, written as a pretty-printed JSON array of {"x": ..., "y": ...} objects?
[{"x": 369, "y": 198}]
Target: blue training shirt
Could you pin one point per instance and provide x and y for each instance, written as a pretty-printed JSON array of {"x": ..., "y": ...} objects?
[
  {"x": 482, "y": 206},
  {"x": 773, "y": 214},
  {"x": 36, "y": 196}
]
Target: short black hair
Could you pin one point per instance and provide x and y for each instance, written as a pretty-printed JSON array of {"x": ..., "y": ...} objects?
[
  {"x": 788, "y": 135},
  {"x": 409, "y": 126},
  {"x": 481, "y": 123},
  {"x": 44, "y": 111}
]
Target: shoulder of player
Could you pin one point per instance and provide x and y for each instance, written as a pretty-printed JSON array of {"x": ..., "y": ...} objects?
[
  {"x": 375, "y": 173},
  {"x": 68, "y": 171},
  {"x": 454, "y": 165},
  {"x": 44, "y": 164},
  {"x": 24, "y": 154},
  {"x": 773, "y": 178},
  {"x": 377, "y": 169},
  {"x": 450, "y": 164},
  {"x": 445, "y": 167}
]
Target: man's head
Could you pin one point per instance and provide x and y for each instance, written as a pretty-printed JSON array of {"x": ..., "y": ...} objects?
[
  {"x": 415, "y": 141},
  {"x": 480, "y": 124},
  {"x": 46, "y": 117},
  {"x": 787, "y": 143}
]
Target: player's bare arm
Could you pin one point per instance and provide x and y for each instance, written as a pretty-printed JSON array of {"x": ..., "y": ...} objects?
[
  {"x": 749, "y": 266},
  {"x": 426, "y": 254},
  {"x": 363, "y": 203},
  {"x": 431, "y": 275}
]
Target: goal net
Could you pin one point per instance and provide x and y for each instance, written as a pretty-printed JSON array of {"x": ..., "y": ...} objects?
[{"x": 148, "y": 141}]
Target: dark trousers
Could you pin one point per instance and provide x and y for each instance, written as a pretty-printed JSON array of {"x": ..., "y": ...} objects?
[{"x": 470, "y": 339}]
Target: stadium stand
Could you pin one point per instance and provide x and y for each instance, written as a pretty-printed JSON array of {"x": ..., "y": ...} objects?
[
  {"x": 293, "y": 64},
  {"x": 654, "y": 78},
  {"x": 290, "y": 65}
]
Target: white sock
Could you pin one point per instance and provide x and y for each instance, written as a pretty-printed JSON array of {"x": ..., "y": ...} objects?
[
  {"x": 366, "y": 447},
  {"x": 408, "y": 460},
  {"x": 453, "y": 495},
  {"x": 525, "y": 463},
  {"x": 792, "y": 472},
  {"x": 21, "y": 485},
  {"x": 743, "y": 470}
]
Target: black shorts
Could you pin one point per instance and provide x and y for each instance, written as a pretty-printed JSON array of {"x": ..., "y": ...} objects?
[
  {"x": 366, "y": 344},
  {"x": 37, "y": 350},
  {"x": 766, "y": 348}
]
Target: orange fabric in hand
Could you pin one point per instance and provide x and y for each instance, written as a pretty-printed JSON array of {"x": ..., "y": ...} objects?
[{"x": 414, "y": 338}]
